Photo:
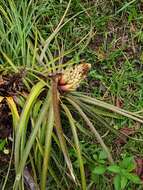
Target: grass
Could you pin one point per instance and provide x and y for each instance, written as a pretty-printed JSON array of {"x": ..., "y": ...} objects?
[{"x": 108, "y": 35}]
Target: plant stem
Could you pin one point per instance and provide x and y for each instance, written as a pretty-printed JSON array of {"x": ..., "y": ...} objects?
[{"x": 58, "y": 125}]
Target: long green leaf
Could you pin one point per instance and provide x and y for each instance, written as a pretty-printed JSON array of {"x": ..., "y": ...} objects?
[
  {"x": 47, "y": 148},
  {"x": 20, "y": 135},
  {"x": 77, "y": 143},
  {"x": 92, "y": 128},
  {"x": 93, "y": 101},
  {"x": 31, "y": 139},
  {"x": 14, "y": 111}
]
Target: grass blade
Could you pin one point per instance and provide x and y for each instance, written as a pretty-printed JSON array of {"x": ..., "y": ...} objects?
[{"x": 50, "y": 38}]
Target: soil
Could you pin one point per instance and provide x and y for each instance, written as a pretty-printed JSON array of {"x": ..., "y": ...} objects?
[
  {"x": 11, "y": 84},
  {"x": 5, "y": 120}
]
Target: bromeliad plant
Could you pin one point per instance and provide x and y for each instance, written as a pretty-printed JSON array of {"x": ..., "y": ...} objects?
[
  {"x": 51, "y": 114},
  {"x": 51, "y": 107}
]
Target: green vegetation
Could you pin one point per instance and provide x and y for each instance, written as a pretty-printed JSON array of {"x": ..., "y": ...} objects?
[{"x": 58, "y": 131}]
